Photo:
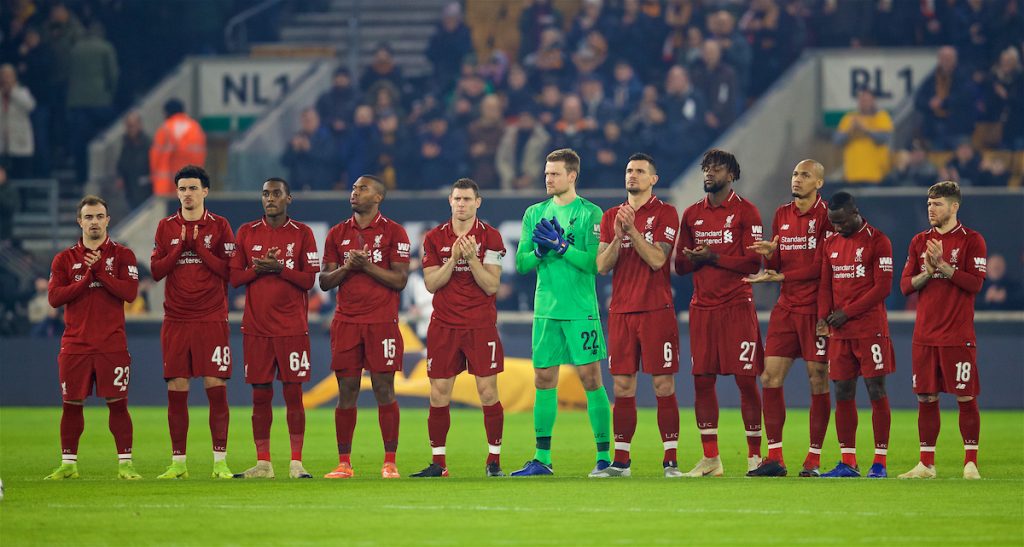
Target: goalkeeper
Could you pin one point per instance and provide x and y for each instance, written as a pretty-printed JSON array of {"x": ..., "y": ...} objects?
[{"x": 560, "y": 239}]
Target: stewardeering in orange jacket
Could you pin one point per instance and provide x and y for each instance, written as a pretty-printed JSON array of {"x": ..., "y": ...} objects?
[{"x": 180, "y": 141}]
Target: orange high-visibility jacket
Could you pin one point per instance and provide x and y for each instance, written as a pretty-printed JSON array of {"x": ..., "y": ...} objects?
[{"x": 180, "y": 141}]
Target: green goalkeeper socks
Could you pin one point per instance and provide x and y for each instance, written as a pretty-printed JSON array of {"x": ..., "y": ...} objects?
[
  {"x": 545, "y": 409},
  {"x": 600, "y": 413}
]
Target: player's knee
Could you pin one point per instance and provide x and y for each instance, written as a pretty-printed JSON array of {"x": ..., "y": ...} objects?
[
  {"x": 624, "y": 386},
  {"x": 771, "y": 378},
  {"x": 876, "y": 388},
  {"x": 964, "y": 399},
  {"x": 846, "y": 390},
  {"x": 664, "y": 386},
  {"x": 488, "y": 396},
  {"x": 177, "y": 384},
  {"x": 927, "y": 397},
  {"x": 263, "y": 386}
]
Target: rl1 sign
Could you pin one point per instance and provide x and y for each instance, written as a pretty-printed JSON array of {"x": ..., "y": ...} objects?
[
  {"x": 892, "y": 75},
  {"x": 234, "y": 92}
]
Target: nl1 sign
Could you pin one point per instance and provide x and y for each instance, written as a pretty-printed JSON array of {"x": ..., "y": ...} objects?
[
  {"x": 234, "y": 92},
  {"x": 891, "y": 76}
]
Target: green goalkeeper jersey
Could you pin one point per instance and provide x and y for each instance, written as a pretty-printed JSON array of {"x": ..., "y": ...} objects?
[{"x": 565, "y": 284}]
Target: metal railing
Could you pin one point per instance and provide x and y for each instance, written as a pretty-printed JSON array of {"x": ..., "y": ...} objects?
[
  {"x": 236, "y": 31},
  {"x": 48, "y": 217}
]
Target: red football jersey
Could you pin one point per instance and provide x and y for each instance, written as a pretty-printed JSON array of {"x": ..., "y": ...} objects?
[
  {"x": 461, "y": 303},
  {"x": 361, "y": 299},
  {"x": 945, "y": 310},
  {"x": 856, "y": 277},
  {"x": 276, "y": 304},
  {"x": 728, "y": 230},
  {"x": 197, "y": 271},
  {"x": 94, "y": 297},
  {"x": 800, "y": 235},
  {"x": 635, "y": 286}
]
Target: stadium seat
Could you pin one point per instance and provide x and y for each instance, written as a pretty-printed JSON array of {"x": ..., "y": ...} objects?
[
  {"x": 987, "y": 135},
  {"x": 940, "y": 158}
]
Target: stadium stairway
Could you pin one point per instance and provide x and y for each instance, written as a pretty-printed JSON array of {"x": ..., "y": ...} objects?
[{"x": 405, "y": 24}]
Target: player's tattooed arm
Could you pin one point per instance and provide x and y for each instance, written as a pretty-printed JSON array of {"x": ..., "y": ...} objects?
[{"x": 608, "y": 255}]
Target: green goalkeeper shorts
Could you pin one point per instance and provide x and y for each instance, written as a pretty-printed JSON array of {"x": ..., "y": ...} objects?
[{"x": 567, "y": 342}]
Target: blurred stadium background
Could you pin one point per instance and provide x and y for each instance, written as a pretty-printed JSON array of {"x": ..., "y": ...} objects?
[{"x": 891, "y": 96}]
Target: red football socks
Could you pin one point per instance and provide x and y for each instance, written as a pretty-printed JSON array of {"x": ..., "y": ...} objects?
[
  {"x": 387, "y": 416},
  {"x": 821, "y": 410},
  {"x": 774, "y": 420},
  {"x": 750, "y": 409},
  {"x": 970, "y": 429},
  {"x": 344, "y": 427},
  {"x": 120, "y": 424},
  {"x": 624, "y": 425},
  {"x": 494, "y": 425},
  {"x": 881, "y": 418},
  {"x": 705, "y": 407},
  {"x": 72, "y": 424},
  {"x": 846, "y": 430},
  {"x": 219, "y": 416},
  {"x": 439, "y": 420},
  {"x": 668, "y": 425},
  {"x": 296, "y": 417},
  {"x": 262, "y": 418},
  {"x": 177, "y": 421},
  {"x": 928, "y": 429}
]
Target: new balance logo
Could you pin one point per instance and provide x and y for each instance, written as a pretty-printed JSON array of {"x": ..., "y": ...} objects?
[
  {"x": 834, "y": 255},
  {"x": 223, "y": 368},
  {"x": 961, "y": 386},
  {"x": 698, "y": 222},
  {"x": 346, "y": 241},
  {"x": 445, "y": 249},
  {"x": 784, "y": 227},
  {"x": 390, "y": 363},
  {"x": 494, "y": 365},
  {"x": 748, "y": 366},
  {"x": 880, "y": 366},
  {"x": 257, "y": 247}
]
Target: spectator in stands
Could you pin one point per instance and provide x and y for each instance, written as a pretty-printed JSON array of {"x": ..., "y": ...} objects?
[
  {"x": 736, "y": 50},
  {"x": 494, "y": 70},
  {"x": 356, "y": 150},
  {"x": 63, "y": 29},
  {"x": 549, "y": 63},
  {"x": 573, "y": 130},
  {"x": 336, "y": 105},
  {"x": 717, "y": 81},
  {"x": 45, "y": 319},
  {"x": 770, "y": 31},
  {"x": 945, "y": 104},
  {"x": 596, "y": 106},
  {"x": 608, "y": 154},
  {"x": 970, "y": 33},
  {"x": 549, "y": 107},
  {"x": 890, "y": 22},
  {"x": 1007, "y": 28},
  {"x": 686, "y": 112},
  {"x": 521, "y": 152},
  {"x": 965, "y": 165},
  {"x": 933, "y": 23},
  {"x": 591, "y": 17},
  {"x": 382, "y": 67},
  {"x": 442, "y": 151},
  {"x": 999, "y": 291},
  {"x": 994, "y": 172},
  {"x": 34, "y": 63},
  {"x": 484, "y": 137},
  {"x": 626, "y": 89},
  {"x": 518, "y": 95},
  {"x": 1004, "y": 98},
  {"x": 865, "y": 135},
  {"x": 637, "y": 39},
  {"x": 842, "y": 23},
  {"x": 384, "y": 97},
  {"x": 92, "y": 83},
  {"x": 538, "y": 16},
  {"x": 16, "y": 141},
  {"x": 392, "y": 150},
  {"x": 912, "y": 168},
  {"x": 312, "y": 155},
  {"x": 449, "y": 45},
  {"x": 10, "y": 202},
  {"x": 178, "y": 142},
  {"x": 648, "y": 130},
  {"x": 133, "y": 162},
  {"x": 590, "y": 57},
  {"x": 682, "y": 46},
  {"x": 468, "y": 96},
  {"x": 680, "y": 14}
]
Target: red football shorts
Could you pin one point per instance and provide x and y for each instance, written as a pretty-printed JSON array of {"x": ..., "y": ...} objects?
[
  {"x": 949, "y": 369},
  {"x": 867, "y": 357},
  {"x": 376, "y": 347},
  {"x": 726, "y": 341},
  {"x": 650, "y": 338},
  {"x": 288, "y": 354},
  {"x": 792, "y": 335},
  {"x": 193, "y": 349},
  {"x": 451, "y": 351},
  {"x": 109, "y": 371}
]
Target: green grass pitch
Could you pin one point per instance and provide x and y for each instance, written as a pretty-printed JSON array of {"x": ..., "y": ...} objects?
[{"x": 469, "y": 509}]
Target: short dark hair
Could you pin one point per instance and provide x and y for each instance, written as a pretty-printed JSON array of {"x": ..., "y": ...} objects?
[
  {"x": 91, "y": 200},
  {"x": 644, "y": 156},
  {"x": 382, "y": 188},
  {"x": 467, "y": 184},
  {"x": 716, "y": 156},
  {"x": 192, "y": 172},
  {"x": 287, "y": 187},
  {"x": 946, "y": 189},
  {"x": 569, "y": 157},
  {"x": 842, "y": 200},
  {"x": 173, "y": 106}
]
